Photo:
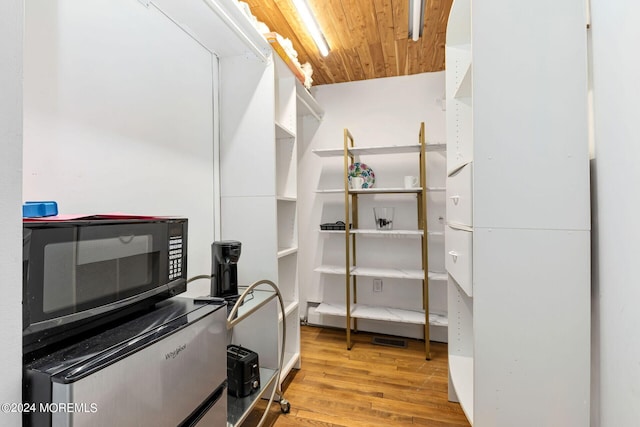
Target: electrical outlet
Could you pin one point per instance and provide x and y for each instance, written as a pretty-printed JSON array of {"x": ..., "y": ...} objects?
[{"x": 377, "y": 285}]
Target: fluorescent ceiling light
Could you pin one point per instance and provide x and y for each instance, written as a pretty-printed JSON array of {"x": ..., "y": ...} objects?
[
  {"x": 416, "y": 18},
  {"x": 312, "y": 26}
]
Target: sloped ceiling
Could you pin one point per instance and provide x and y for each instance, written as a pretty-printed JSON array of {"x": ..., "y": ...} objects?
[{"x": 368, "y": 39}]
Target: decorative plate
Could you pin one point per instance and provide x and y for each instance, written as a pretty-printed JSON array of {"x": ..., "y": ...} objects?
[{"x": 364, "y": 171}]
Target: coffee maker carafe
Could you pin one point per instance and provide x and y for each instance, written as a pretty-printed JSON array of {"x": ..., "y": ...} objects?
[{"x": 224, "y": 274}]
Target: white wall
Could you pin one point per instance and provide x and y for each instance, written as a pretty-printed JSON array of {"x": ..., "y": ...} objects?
[
  {"x": 616, "y": 234},
  {"x": 376, "y": 112},
  {"x": 11, "y": 28},
  {"x": 119, "y": 116}
]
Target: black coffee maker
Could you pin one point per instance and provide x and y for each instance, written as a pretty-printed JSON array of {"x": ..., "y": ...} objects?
[{"x": 224, "y": 274}]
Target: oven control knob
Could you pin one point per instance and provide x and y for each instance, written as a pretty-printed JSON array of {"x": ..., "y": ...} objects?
[{"x": 256, "y": 384}]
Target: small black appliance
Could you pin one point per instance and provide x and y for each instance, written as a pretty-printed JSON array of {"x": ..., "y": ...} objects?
[
  {"x": 224, "y": 266},
  {"x": 84, "y": 273},
  {"x": 243, "y": 371}
]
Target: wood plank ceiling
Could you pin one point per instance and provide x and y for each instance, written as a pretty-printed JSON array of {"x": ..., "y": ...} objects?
[{"x": 368, "y": 39}]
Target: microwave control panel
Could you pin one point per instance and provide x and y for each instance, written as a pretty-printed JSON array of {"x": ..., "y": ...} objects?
[{"x": 175, "y": 257}]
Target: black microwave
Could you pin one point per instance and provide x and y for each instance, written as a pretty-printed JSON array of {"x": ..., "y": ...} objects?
[{"x": 82, "y": 274}]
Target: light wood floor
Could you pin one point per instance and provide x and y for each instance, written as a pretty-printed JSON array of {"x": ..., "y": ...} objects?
[{"x": 369, "y": 386}]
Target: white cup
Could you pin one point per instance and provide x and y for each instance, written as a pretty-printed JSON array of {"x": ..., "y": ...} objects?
[
  {"x": 356, "y": 182},
  {"x": 410, "y": 181}
]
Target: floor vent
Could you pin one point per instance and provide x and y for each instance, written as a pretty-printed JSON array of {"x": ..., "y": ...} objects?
[{"x": 390, "y": 342}]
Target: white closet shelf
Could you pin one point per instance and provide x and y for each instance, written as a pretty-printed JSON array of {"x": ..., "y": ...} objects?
[
  {"x": 461, "y": 370},
  {"x": 464, "y": 88},
  {"x": 282, "y": 132},
  {"x": 461, "y": 55},
  {"x": 331, "y": 191},
  {"x": 433, "y": 275},
  {"x": 282, "y": 252},
  {"x": 389, "y": 314},
  {"x": 390, "y": 273},
  {"x": 383, "y": 149},
  {"x": 330, "y": 269},
  {"x": 289, "y": 308},
  {"x": 376, "y": 190},
  {"x": 386, "y": 233},
  {"x": 306, "y": 105},
  {"x": 286, "y": 199}
]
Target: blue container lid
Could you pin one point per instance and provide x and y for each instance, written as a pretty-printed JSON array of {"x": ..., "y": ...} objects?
[{"x": 39, "y": 209}]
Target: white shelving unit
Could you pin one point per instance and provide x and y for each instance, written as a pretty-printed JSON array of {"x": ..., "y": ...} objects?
[
  {"x": 352, "y": 309},
  {"x": 286, "y": 212},
  {"x": 259, "y": 184},
  {"x": 517, "y": 239}
]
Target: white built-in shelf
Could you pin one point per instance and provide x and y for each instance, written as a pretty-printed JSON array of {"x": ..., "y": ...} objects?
[
  {"x": 386, "y": 233},
  {"x": 459, "y": 226},
  {"x": 330, "y": 269},
  {"x": 383, "y": 149},
  {"x": 331, "y": 191},
  {"x": 282, "y": 132},
  {"x": 306, "y": 105},
  {"x": 461, "y": 54},
  {"x": 389, "y": 314},
  {"x": 437, "y": 276},
  {"x": 376, "y": 190},
  {"x": 283, "y": 252},
  {"x": 461, "y": 371},
  {"x": 289, "y": 308},
  {"x": 286, "y": 199},
  {"x": 390, "y": 273},
  {"x": 464, "y": 88}
]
